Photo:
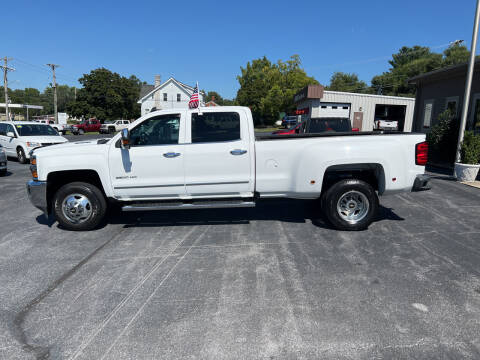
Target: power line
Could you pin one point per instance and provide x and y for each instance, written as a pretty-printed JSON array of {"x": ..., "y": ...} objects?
[{"x": 375, "y": 59}]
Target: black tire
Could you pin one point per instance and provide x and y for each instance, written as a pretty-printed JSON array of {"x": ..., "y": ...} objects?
[
  {"x": 97, "y": 208},
  {"x": 3, "y": 172},
  {"x": 111, "y": 130},
  {"x": 22, "y": 158},
  {"x": 81, "y": 131},
  {"x": 330, "y": 204}
]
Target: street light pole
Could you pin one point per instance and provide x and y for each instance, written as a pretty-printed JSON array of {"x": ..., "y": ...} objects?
[{"x": 468, "y": 82}]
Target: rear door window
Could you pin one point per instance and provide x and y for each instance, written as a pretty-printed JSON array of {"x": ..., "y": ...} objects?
[{"x": 215, "y": 127}]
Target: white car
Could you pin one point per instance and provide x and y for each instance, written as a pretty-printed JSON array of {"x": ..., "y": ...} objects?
[
  {"x": 110, "y": 127},
  {"x": 3, "y": 161},
  {"x": 211, "y": 158},
  {"x": 18, "y": 138},
  {"x": 386, "y": 125},
  {"x": 61, "y": 129}
]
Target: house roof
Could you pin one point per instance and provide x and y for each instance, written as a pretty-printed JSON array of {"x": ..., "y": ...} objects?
[
  {"x": 187, "y": 88},
  {"x": 145, "y": 89},
  {"x": 211, "y": 103},
  {"x": 449, "y": 70}
]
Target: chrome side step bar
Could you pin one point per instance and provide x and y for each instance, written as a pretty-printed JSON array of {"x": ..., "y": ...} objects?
[{"x": 186, "y": 206}]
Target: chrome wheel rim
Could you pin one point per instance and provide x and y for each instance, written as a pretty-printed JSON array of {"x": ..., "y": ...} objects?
[
  {"x": 20, "y": 155},
  {"x": 76, "y": 208},
  {"x": 353, "y": 206}
]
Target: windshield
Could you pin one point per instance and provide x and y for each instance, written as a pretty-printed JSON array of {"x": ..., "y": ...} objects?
[{"x": 35, "y": 130}]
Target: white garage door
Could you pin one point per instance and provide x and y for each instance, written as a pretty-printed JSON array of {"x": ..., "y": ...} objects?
[{"x": 334, "y": 110}]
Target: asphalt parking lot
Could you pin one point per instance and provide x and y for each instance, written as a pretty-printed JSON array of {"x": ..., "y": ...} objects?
[{"x": 262, "y": 283}]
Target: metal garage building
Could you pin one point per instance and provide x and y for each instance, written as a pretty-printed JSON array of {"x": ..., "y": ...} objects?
[{"x": 362, "y": 109}]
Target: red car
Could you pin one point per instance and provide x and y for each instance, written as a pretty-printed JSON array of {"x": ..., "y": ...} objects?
[
  {"x": 89, "y": 125},
  {"x": 289, "y": 131}
]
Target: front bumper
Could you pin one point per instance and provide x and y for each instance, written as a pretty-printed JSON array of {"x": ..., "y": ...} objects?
[
  {"x": 37, "y": 193},
  {"x": 421, "y": 183}
]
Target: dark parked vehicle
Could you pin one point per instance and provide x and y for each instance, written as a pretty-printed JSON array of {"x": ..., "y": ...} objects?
[
  {"x": 321, "y": 125},
  {"x": 289, "y": 121}
]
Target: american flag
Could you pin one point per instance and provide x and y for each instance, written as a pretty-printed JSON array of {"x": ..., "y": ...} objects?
[{"x": 193, "y": 103}]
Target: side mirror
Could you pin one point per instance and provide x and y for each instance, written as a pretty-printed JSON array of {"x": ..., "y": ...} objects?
[
  {"x": 10, "y": 134},
  {"x": 125, "y": 139}
]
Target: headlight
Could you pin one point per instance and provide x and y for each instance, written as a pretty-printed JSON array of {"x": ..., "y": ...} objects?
[{"x": 33, "y": 144}]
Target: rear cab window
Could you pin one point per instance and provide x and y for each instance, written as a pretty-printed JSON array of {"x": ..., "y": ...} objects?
[{"x": 211, "y": 127}]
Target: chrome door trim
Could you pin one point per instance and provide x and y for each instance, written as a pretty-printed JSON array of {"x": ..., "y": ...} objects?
[
  {"x": 145, "y": 186},
  {"x": 219, "y": 183}
]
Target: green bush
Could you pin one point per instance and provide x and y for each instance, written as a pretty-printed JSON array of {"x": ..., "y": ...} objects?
[
  {"x": 442, "y": 138},
  {"x": 470, "y": 150}
]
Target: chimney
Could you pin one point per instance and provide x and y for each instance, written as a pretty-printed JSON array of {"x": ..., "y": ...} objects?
[
  {"x": 213, "y": 98},
  {"x": 157, "y": 80}
]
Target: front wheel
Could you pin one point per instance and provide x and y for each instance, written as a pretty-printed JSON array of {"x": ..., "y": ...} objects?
[
  {"x": 79, "y": 206},
  {"x": 22, "y": 159},
  {"x": 81, "y": 131},
  {"x": 350, "y": 204}
]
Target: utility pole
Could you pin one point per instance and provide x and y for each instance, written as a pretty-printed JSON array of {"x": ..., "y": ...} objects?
[
  {"x": 468, "y": 82},
  {"x": 6, "y": 69},
  {"x": 53, "y": 66}
]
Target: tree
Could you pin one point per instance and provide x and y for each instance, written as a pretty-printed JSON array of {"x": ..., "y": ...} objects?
[
  {"x": 347, "y": 82},
  {"x": 268, "y": 88},
  {"x": 455, "y": 54},
  {"x": 407, "y": 63},
  {"x": 107, "y": 96},
  {"x": 215, "y": 96}
]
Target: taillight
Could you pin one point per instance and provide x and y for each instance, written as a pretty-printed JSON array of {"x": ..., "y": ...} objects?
[
  {"x": 355, "y": 129},
  {"x": 421, "y": 153}
]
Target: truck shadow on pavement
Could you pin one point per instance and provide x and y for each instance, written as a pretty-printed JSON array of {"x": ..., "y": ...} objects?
[{"x": 290, "y": 211}]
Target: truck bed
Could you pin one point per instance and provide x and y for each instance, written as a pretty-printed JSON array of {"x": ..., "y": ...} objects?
[{"x": 262, "y": 137}]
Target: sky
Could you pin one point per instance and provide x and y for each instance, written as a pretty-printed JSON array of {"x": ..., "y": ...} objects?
[{"x": 208, "y": 42}]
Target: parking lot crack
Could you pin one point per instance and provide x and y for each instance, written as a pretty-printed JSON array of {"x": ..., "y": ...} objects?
[{"x": 18, "y": 330}]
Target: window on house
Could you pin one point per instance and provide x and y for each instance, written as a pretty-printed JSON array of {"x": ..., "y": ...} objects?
[
  {"x": 427, "y": 113},
  {"x": 215, "y": 127},
  {"x": 179, "y": 97},
  {"x": 334, "y": 107},
  {"x": 165, "y": 97},
  {"x": 324, "y": 106},
  {"x": 476, "y": 114},
  {"x": 451, "y": 104}
]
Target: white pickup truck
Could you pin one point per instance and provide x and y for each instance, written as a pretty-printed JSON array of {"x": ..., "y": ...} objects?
[
  {"x": 211, "y": 158},
  {"x": 110, "y": 127}
]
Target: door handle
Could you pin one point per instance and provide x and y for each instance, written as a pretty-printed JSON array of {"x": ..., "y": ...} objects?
[
  {"x": 238, "y": 152},
  {"x": 171, "y": 154}
]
